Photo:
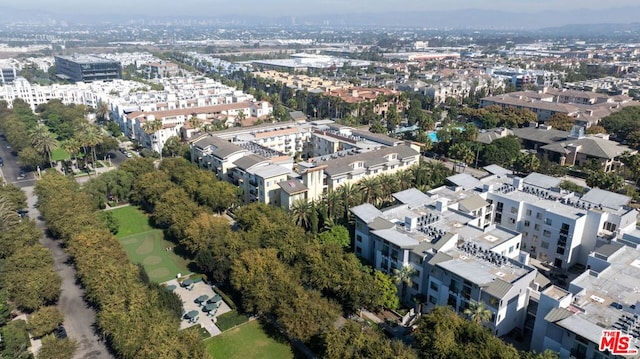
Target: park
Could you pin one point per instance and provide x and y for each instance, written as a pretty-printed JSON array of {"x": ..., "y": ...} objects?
[{"x": 146, "y": 245}]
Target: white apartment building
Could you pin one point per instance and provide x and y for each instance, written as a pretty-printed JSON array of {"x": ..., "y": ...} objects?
[
  {"x": 604, "y": 297},
  {"x": 172, "y": 121},
  {"x": 457, "y": 256},
  {"x": 559, "y": 227}
]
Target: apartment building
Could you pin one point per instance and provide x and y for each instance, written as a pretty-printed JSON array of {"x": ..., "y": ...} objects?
[
  {"x": 459, "y": 257},
  {"x": 586, "y": 107},
  {"x": 604, "y": 297},
  {"x": 559, "y": 227},
  {"x": 134, "y": 126},
  {"x": 361, "y": 95},
  {"x": 160, "y": 69},
  {"x": 240, "y": 157},
  {"x": 303, "y": 82}
]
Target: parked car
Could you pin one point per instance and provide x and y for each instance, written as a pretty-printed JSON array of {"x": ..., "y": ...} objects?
[
  {"x": 128, "y": 154},
  {"x": 22, "y": 176}
]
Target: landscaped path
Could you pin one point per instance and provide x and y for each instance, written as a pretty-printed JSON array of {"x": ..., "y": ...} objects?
[{"x": 79, "y": 318}]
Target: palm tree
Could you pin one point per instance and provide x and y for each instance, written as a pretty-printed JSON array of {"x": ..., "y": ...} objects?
[
  {"x": 388, "y": 186},
  {"x": 332, "y": 202},
  {"x": 301, "y": 213},
  {"x": 151, "y": 127},
  {"x": 72, "y": 146},
  {"x": 478, "y": 313},
  {"x": 241, "y": 116},
  {"x": 404, "y": 179},
  {"x": 370, "y": 189},
  {"x": 102, "y": 111},
  {"x": 350, "y": 197},
  {"x": 43, "y": 141},
  {"x": 194, "y": 122},
  {"x": 404, "y": 277},
  {"x": 89, "y": 136}
]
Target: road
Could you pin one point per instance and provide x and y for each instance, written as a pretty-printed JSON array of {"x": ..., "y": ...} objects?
[{"x": 10, "y": 170}]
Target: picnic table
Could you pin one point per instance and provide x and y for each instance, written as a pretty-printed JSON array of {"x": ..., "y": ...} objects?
[
  {"x": 192, "y": 314},
  {"x": 201, "y": 299},
  {"x": 209, "y": 307},
  {"x": 187, "y": 282},
  {"x": 215, "y": 299}
]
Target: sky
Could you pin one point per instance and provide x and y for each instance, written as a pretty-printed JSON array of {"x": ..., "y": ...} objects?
[{"x": 297, "y": 7}]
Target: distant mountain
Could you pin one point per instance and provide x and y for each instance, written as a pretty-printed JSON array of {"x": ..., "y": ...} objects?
[{"x": 452, "y": 19}]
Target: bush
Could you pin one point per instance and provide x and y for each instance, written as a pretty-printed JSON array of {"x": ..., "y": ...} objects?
[
  {"x": 230, "y": 319},
  {"x": 226, "y": 298},
  {"x": 44, "y": 321}
]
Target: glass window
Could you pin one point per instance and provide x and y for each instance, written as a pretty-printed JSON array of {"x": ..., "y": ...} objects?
[
  {"x": 544, "y": 244},
  {"x": 546, "y": 233}
]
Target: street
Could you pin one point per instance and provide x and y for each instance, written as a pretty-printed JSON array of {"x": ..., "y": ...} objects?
[{"x": 10, "y": 170}]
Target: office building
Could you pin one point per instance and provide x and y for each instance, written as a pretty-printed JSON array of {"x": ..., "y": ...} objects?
[{"x": 87, "y": 68}]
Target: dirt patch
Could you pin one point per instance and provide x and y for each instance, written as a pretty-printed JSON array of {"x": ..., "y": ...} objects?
[
  {"x": 152, "y": 260},
  {"x": 146, "y": 247}
]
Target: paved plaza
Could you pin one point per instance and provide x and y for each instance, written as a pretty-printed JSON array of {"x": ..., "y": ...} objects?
[{"x": 189, "y": 303}]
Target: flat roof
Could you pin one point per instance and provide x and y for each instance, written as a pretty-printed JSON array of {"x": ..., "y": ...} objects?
[{"x": 87, "y": 59}]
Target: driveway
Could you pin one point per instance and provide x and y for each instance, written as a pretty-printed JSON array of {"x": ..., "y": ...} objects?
[{"x": 79, "y": 319}]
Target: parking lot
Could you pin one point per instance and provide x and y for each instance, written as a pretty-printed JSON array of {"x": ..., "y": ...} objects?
[{"x": 189, "y": 303}]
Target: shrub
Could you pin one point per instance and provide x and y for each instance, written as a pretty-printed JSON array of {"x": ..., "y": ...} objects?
[
  {"x": 230, "y": 319},
  {"x": 226, "y": 298}
]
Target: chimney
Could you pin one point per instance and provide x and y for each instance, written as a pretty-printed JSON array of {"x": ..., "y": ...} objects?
[
  {"x": 442, "y": 204},
  {"x": 518, "y": 182}
]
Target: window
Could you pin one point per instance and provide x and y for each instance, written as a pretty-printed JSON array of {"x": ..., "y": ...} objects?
[
  {"x": 546, "y": 233},
  {"x": 560, "y": 250},
  {"x": 358, "y": 225},
  {"x": 536, "y": 227},
  {"x": 514, "y": 210},
  {"x": 534, "y": 238},
  {"x": 538, "y": 215},
  {"x": 359, "y": 238},
  {"x": 528, "y": 212},
  {"x": 511, "y": 249},
  {"x": 547, "y": 221},
  {"x": 512, "y": 220},
  {"x": 358, "y": 250},
  {"x": 611, "y": 227},
  {"x": 433, "y": 300},
  {"x": 527, "y": 223},
  {"x": 544, "y": 244},
  {"x": 433, "y": 286},
  {"x": 517, "y": 245},
  {"x": 415, "y": 286},
  {"x": 533, "y": 249}
]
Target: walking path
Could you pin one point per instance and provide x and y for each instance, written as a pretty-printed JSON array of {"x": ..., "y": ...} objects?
[{"x": 79, "y": 318}]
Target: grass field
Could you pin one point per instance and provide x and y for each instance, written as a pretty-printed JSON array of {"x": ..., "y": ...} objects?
[
  {"x": 131, "y": 221},
  {"x": 248, "y": 341},
  {"x": 147, "y": 246},
  {"x": 60, "y": 155}
]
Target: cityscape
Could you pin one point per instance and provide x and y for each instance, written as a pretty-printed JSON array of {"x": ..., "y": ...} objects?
[{"x": 320, "y": 180}]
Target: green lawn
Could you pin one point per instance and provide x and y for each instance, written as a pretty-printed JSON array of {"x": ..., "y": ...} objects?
[
  {"x": 131, "y": 221},
  {"x": 147, "y": 246},
  {"x": 248, "y": 341},
  {"x": 59, "y": 155}
]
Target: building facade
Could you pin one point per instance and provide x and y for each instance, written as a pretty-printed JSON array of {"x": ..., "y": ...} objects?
[{"x": 86, "y": 68}]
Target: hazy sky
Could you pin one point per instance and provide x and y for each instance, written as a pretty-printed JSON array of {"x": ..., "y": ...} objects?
[{"x": 297, "y": 7}]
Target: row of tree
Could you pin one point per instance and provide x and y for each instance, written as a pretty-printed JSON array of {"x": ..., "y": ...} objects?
[
  {"x": 333, "y": 207},
  {"x": 131, "y": 316},
  {"x": 28, "y": 283}
]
